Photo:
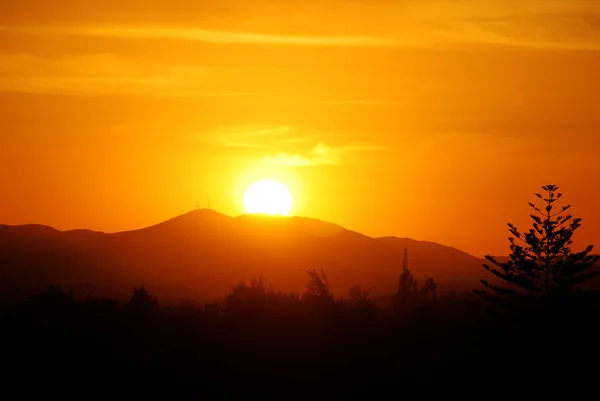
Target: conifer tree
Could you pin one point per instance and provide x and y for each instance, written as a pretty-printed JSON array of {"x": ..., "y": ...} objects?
[
  {"x": 407, "y": 285},
  {"x": 542, "y": 270},
  {"x": 142, "y": 303}
]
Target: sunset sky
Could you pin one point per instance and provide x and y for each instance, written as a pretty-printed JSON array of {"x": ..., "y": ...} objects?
[{"x": 435, "y": 120}]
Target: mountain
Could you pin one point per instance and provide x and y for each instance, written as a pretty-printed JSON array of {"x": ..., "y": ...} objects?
[{"x": 203, "y": 254}]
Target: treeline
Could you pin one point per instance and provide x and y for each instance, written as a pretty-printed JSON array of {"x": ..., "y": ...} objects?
[
  {"x": 286, "y": 344},
  {"x": 279, "y": 345}
]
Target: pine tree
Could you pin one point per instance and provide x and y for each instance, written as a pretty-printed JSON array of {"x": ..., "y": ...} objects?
[
  {"x": 142, "y": 303},
  {"x": 542, "y": 270},
  {"x": 407, "y": 285}
]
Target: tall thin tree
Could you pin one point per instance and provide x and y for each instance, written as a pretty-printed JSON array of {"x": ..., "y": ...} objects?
[{"x": 542, "y": 269}]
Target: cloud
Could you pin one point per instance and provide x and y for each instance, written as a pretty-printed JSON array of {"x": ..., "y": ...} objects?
[
  {"x": 204, "y": 35},
  {"x": 539, "y": 24},
  {"x": 362, "y": 102},
  {"x": 321, "y": 154},
  {"x": 251, "y": 136},
  {"x": 284, "y": 159},
  {"x": 520, "y": 33},
  {"x": 104, "y": 74},
  {"x": 264, "y": 138},
  {"x": 294, "y": 146}
]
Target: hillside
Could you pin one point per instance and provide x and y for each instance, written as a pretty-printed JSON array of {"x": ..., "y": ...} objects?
[{"x": 202, "y": 254}]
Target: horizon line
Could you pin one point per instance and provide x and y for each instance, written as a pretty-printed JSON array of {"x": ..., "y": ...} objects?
[{"x": 238, "y": 216}]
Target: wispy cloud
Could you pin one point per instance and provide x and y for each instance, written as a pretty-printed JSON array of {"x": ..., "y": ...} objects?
[
  {"x": 362, "y": 102},
  {"x": 285, "y": 145},
  {"x": 321, "y": 154},
  {"x": 204, "y": 35},
  {"x": 104, "y": 74},
  {"x": 250, "y": 136},
  {"x": 544, "y": 24}
]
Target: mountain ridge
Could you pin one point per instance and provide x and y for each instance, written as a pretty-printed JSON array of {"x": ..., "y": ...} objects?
[
  {"x": 203, "y": 253},
  {"x": 223, "y": 216}
]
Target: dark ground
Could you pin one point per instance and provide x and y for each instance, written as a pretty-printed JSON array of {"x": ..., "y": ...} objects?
[{"x": 286, "y": 348}]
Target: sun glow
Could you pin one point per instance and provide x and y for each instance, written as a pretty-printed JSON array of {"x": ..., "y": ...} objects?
[{"x": 268, "y": 197}]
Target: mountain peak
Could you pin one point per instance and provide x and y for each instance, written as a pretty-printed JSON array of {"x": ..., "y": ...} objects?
[{"x": 193, "y": 216}]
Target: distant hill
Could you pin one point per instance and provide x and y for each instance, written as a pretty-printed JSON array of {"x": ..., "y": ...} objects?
[{"x": 202, "y": 254}]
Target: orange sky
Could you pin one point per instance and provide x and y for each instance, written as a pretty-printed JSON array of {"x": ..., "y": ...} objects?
[{"x": 435, "y": 120}]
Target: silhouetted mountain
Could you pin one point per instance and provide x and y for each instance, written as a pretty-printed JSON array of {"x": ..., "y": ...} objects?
[{"x": 202, "y": 254}]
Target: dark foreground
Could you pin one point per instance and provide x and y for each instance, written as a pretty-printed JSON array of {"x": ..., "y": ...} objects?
[{"x": 286, "y": 348}]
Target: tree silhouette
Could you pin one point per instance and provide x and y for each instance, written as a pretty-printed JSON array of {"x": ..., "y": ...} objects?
[
  {"x": 244, "y": 296},
  {"x": 407, "y": 288},
  {"x": 53, "y": 304},
  {"x": 318, "y": 293},
  {"x": 55, "y": 295},
  {"x": 317, "y": 285},
  {"x": 359, "y": 301},
  {"x": 542, "y": 270},
  {"x": 429, "y": 286},
  {"x": 357, "y": 294},
  {"x": 142, "y": 303}
]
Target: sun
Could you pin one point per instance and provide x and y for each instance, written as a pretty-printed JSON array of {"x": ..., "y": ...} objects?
[{"x": 268, "y": 197}]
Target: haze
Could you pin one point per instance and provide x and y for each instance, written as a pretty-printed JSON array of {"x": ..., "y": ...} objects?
[{"x": 432, "y": 120}]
